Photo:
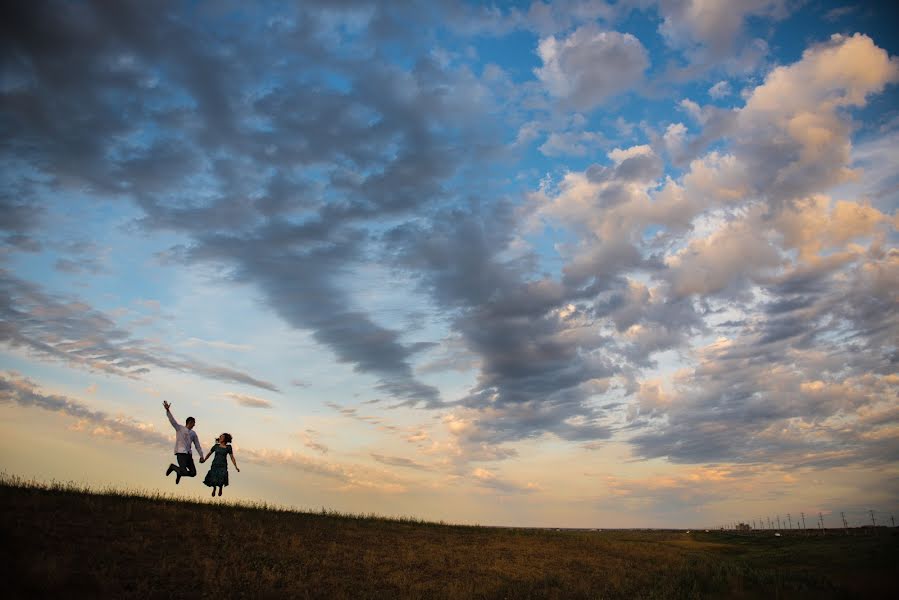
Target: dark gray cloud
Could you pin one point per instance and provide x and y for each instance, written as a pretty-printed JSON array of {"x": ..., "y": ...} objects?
[
  {"x": 19, "y": 217},
  {"x": 68, "y": 330},
  {"x": 300, "y": 287},
  {"x": 532, "y": 373},
  {"x": 129, "y": 101}
]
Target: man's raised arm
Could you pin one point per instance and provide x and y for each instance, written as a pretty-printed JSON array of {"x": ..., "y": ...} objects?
[{"x": 169, "y": 415}]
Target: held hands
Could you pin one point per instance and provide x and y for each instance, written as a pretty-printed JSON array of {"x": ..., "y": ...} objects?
[{"x": 202, "y": 460}]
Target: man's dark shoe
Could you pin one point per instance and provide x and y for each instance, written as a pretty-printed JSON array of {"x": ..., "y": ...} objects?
[
  {"x": 178, "y": 479},
  {"x": 169, "y": 471}
]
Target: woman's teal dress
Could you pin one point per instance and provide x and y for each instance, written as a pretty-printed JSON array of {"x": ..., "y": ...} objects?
[{"x": 218, "y": 472}]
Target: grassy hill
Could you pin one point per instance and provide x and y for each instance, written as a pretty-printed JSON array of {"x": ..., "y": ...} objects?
[{"x": 67, "y": 542}]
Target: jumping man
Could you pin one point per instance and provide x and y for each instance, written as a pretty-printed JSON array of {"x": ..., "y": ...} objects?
[{"x": 184, "y": 437}]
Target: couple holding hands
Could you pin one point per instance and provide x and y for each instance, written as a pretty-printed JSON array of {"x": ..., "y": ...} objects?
[{"x": 185, "y": 436}]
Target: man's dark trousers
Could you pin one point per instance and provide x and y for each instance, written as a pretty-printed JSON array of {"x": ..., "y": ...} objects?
[{"x": 186, "y": 467}]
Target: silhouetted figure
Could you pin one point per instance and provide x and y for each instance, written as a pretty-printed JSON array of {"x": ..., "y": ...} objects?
[
  {"x": 217, "y": 477},
  {"x": 184, "y": 437}
]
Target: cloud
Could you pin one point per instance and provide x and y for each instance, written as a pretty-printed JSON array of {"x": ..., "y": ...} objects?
[
  {"x": 292, "y": 199},
  {"x": 813, "y": 225},
  {"x": 716, "y": 26},
  {"x": 451, "y": 355},
  {"x": 491, "y": 480},
  {"x": 590, "y": 66},
  {"x": 838, "y": 12},
  {"x": 348, "y": 476},
  {"x": 15, "y": 389},
  {"x": 399, "y": 461},
  {"x": 353, "y": 413},
  {"x": 249, "y": 401},
  {"x": 720, "y": 90},
  {"x": 543, "y": 18},
  {"x": 310, "y": 442},
  {"x": 786, "y": 390},
  {"x": 735, "y": 254},
  {"x": 571, "y": 143},
  {"x": 794, "y": 132},
  {"x": 531, "y": 372},
  {"x": 68, "y": 330},
  {"x": 880, "y": 167},
  {"x": 289, "y": 184},
  {"x": 220, "y": 344},
  {"x": 683, "y": 493},
  {"x": 22, "y": 215},
  {"x": 674, "y": 140},
  {"x": 748, "y": 232}
]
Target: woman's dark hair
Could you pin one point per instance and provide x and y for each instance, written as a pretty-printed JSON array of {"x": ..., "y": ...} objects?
[{"x": 227, "y": 438}]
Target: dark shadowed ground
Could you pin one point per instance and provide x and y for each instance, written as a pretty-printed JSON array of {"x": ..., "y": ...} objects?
[{"x": 64, "y": 542}]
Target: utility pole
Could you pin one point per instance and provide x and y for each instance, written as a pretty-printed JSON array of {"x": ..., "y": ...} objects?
[
  {"x": 790, "y": 520},
  {"x": 778, "y": 522},
  {"x": 821, "y": 520},
  {"x": 892, "y": 520},
  {"x": 803, "y": 520},
  {"x": 845, "y": 524},
  {"x": 872, "y": 518},
  {"x": 769, "y": 522}
]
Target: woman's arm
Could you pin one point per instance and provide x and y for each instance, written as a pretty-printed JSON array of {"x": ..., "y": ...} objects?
[{"x": 234, "y": 461}]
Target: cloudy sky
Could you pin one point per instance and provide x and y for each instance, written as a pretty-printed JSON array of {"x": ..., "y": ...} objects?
[{"x": 571, "y": 264}]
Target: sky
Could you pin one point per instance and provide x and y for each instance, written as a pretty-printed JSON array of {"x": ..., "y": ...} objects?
[{"x": 580, "y": 264}]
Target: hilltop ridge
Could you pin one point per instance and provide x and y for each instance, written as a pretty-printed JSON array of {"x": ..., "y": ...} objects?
[{"x": 73, "y": 542}]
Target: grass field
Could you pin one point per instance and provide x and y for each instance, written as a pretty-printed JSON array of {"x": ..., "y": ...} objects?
[{"x": 61, "y": 541}]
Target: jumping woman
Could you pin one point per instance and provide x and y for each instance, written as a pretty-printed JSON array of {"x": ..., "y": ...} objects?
[{"x": 217, "y": 477}]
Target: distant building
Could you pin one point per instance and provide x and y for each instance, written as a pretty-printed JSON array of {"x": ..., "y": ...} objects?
[{"x": 744, "y": 527}]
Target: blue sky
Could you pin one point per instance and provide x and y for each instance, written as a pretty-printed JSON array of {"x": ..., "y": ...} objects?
[{"x": 568, "y": 264}]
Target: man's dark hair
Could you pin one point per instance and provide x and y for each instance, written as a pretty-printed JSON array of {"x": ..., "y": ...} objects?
[{"x": 190, "y": 419}]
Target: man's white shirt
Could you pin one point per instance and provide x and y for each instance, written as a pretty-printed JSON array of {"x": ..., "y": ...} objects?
[{"x": 184, "y": 437}]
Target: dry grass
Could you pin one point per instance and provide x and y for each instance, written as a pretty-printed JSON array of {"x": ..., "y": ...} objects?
[{"x": 67, "y": 541}]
